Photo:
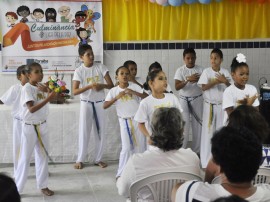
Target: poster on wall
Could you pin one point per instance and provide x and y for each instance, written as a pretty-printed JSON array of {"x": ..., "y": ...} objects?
[{"x": 49, "y": 32}]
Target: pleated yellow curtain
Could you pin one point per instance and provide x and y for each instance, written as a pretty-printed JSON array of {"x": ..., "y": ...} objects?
[{"x": 132, "y": 20}]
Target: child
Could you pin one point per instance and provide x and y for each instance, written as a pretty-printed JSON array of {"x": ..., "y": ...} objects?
[
  {"x": 34, "y": 130},
  {"x": 88, "y": 82},
  {"x": 155, "y": 66},
  {"x": 213, "y": 82},
  {"x": 157, "y": 81},
  {"x": 12, "y": 97},
  {"x": 190, "y": 94},
  {"x": 132, "y": 66},
  {"x": 126, "y": 96},
  {"x": 240, "y": 92}
]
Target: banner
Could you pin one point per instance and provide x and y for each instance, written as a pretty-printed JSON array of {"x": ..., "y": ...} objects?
[{"x": 49, "y": 32}]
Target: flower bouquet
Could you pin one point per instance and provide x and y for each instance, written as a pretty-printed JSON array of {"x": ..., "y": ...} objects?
[{"x": 59, "y": 86}]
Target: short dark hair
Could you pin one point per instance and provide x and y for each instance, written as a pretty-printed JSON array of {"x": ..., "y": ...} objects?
[
  {"x": 129, "y": 62},
  {"x": 232, "y": 198},
  {"x": 22, "y": 8},
  {"x": 189, "y": 50},
  {"x": 38, "y": 10},
  {"x": 29, "y": 67},
  {"x": 238, "y": 152},
  {"x": 167, "y": 128},
  {"x": 154, "y": 65},
  {"x": 21, "y": 70},
  {"x": 83, "y": 48},
  {"x": 249, "y": 117},
  {"x": 8, "y": 189},
  {"x": 235, "y": 64},
  {"x": 217, "y": 51}
]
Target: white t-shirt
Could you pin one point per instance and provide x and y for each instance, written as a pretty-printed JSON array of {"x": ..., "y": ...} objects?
[
  {"x": 149, "y": 104},
  {"x": 232, "y": 95},
  {"x": 215, "y": 94},
  {"x": 12, "y": 97},
  {"x": 190, "y": 89},
  {"x": 90, "y": 75},
  {"x": 202, "y": 191},
  {"x": 127, "y": 105},
  {"x": 31, "y": 93},
  {"x": 156, "y": 161}
]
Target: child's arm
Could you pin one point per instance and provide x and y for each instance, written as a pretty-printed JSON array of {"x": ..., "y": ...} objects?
[
  {"x": 141, "y": 95},
  {"x": 143, "y": 129},
  {"x": 77, "y": 90},
  {"x": 107, "y": 104},
  {"x": 222, "y": 79},
  {"x": 180, "y": 84},
  {"x": 211, "y": 84},
  {"x": 33, "y": 108},
  {"x": 101, "y": 86}
]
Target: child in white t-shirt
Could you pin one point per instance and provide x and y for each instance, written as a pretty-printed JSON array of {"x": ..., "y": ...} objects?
[
  {"x": 88, "y": 81},
  {"x": 157, "y": 82},
  {"x": 190, "y": 97},
  {"x": 126, "y": 96},
  {"x": 12, "y": 97},
  {"x": 34, "y": 130},
  {"x": 213, "y": 82},
  {"x": 240, "y": 92}
]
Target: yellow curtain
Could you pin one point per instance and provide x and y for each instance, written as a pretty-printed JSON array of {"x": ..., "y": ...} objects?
[{"x": 132, "y": 20}]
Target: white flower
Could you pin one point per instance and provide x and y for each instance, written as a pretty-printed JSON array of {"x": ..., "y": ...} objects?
[{"x": 241, "y": 57}]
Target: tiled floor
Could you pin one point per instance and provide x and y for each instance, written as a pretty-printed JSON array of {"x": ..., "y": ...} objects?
[{"x": 91, "y": 184}]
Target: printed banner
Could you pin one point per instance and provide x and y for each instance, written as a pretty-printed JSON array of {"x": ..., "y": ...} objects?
[{"x": 49, "y": 32}]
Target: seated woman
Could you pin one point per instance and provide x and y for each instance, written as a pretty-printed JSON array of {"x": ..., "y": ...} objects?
[
  {"x": 238, "y": 153},
  {"x": 167, "y": 135},
  {"x": 246, "y": 116}
]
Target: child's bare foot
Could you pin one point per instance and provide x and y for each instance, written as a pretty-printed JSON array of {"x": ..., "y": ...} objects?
[
  {"x": 47, "y": 192},
  {"x": 78, "y": 165},
  {"x": 101, "y": 164}
]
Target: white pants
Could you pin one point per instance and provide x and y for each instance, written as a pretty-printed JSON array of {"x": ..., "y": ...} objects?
[
  {"x": 17, "y": 133},
  {"x": 138, "y": 145},
  {"x": 208, "y": 128},
  {"x": 189, "y": 118},
  {"x": 86, "y": 124},
  {"x": 29, "y": 142}
]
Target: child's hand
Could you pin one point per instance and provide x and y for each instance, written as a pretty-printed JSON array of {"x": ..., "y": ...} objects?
[
  {"x": 97, "y": 86},
  {"x": 52, "y": 95},
  {"x": 43, "y": 87},
  {"x": 128, "y": 91},
  {"x": 251, "y": 100},
  {"x": 221, "y": 78},
  {"x": 193, "y": 78},
  {"x": 121, "y": 94}
]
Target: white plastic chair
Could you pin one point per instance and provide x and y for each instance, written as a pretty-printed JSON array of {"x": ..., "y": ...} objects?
[
  {"x": 263, "y": 176},
  {"x": 160, "y": 185}
]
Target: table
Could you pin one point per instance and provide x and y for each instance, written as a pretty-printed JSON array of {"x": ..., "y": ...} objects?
[{"x": 63, "y": 121}]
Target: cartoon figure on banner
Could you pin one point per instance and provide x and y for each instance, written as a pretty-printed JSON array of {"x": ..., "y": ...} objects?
[
  {"x": 64, "y": 12},
  {"x": 91, "y": 17},
  {"x": 11, "y": 18},
  {"x": 50, "y": 14},
  {"x": 24, "y": 12},
  {"x": 37, "y": 14},
  {"x": 80, "y": 16},
  {"x": 83, "y": 35}
]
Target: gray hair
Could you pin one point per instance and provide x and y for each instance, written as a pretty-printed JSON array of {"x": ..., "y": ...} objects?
[{"x": 167, "y": 128}]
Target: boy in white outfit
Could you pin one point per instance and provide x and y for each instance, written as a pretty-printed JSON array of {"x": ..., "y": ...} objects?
[
  {"x": 88, "y": 81},
  {"x": 190, "y": 97},
  {"x": 213, "y": 82}
]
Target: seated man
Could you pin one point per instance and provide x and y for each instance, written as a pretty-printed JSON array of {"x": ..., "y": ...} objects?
[
  {"x": 238, "y": 153},
  {"x": 8, "y": 189},
  {"x": 167, "y": 136}
]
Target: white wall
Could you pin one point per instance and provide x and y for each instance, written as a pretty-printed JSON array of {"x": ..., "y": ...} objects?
[{"x": 258, "y": 60}]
